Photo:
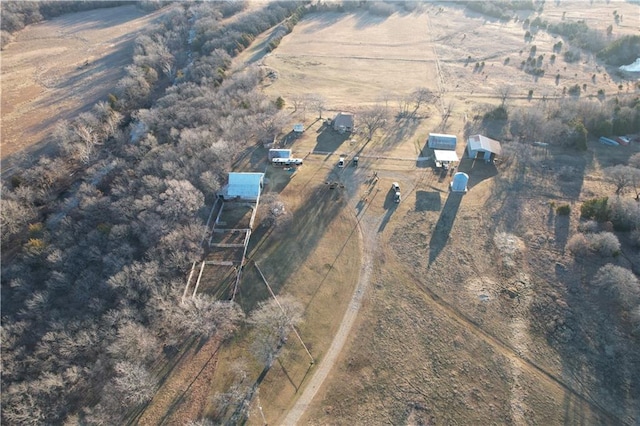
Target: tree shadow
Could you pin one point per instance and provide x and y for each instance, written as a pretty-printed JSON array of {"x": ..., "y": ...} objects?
[
  {"x": 561, "y": 230},
  {"x": 442, "y": 230}
]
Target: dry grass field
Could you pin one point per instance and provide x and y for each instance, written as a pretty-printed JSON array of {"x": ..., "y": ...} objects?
[
  {"x": 44, "y": 76},
  {"x": 474, "y": 312},
  {"x": 463, "y": 288}
]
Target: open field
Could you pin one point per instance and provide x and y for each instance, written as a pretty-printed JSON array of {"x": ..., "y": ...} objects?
[
  {"x": 57, "y": 69},
  {"x": 454, "y": 328},
  {"x": 443, "y": 308}
]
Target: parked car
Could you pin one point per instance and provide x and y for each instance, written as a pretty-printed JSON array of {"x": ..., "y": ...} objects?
[
  {"x": 355, "y": 161},
  {"x": 395, "y": 187},
  {"x": 341, "y": 162}
]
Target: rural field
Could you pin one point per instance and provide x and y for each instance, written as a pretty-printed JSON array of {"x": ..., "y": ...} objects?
[
  {"x": 444, "y": 308},
  {"x": 451, "y": 329},
  {"x": 57, "y": 69}
]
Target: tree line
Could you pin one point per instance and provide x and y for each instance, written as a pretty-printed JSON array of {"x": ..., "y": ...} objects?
[{"x": 98, "y": 237}]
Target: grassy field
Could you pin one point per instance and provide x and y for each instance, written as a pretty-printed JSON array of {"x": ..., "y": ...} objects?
[
  {"x": 56, "y": 69},
  {"x": 452, "y": 330}
]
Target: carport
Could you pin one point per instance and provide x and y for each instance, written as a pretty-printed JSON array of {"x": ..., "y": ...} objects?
[{"x": 444, "y": 158}]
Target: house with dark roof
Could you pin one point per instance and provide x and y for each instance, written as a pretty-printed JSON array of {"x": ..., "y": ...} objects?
[{"x": 343, "y": 122}]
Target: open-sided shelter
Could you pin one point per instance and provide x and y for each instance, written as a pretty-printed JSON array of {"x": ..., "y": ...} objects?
[
  {"x": 479, "y": 146},
  {"x": 444, "y": 157}
]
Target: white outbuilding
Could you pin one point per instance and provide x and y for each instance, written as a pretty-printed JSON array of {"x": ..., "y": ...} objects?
[
  {"x": 246, "y": 186},
  {"x": 479, "y": 146},
  {"x": 279, "y": 153},
  {"x": 459, "y": 182}
]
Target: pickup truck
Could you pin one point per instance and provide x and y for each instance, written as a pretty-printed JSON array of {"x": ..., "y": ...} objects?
[{"x": 395, "y": 187}]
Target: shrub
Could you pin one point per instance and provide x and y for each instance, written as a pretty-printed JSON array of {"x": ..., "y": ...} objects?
[
  {"x": 563, "y": 210},
  {"x": 624, "y": 213},
  {"x": 572, "y": 56},
  {"x": 604, "y": 243},
  {"x": 596, "y": 208},
  {"x": 619, "y": 283},
  {"x": 499, "y": 113},
  {"x": 578, "y": 245},
  {"x": 280, "y": 102},
  {"x": 574, "y": 90},
  {"x": 588, "y": 226}
]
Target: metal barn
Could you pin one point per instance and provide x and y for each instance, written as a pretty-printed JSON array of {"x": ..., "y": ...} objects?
[{"x": 442, "y": 142}]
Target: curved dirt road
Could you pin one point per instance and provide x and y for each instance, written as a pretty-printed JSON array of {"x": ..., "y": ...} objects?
[{"x": 368, "y": 235}]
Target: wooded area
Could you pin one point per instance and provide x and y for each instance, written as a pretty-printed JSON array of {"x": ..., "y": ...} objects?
[{"x": 98, "y": 237}]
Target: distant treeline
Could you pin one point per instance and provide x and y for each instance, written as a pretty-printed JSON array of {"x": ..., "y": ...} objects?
[{"x": 97, "y": 239}]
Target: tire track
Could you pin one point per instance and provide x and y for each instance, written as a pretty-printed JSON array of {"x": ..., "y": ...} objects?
[{"x": 508, "y": 351}]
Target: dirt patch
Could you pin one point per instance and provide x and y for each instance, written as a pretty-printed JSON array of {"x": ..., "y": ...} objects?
[{"x": 59, "y": 68}]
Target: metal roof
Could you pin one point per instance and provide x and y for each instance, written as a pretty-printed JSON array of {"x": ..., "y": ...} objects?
[
  {"x": 445, "y": 155},
  {"x": 442, "y": 141},
  {"x": 485, "y": 144},
  {"x": 245, "y": 185}
]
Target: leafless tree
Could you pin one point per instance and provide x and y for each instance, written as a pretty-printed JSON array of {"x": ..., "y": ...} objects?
[
  {"x": 622, "y": 177},
  {"x": 634, "y": 160},
  {"x": 421, "y": 96},
  {"x": 317, "y": 103},
  {"x": 133, "y": 383},
  {"x": 503, "y": 91},
  {"x": 205, "y": 316},
  {"x": 273, "y": 321},
  {"x": 180, "y": 200},
  {"x": 620, "y": 283},
  {"x": 373, "y": 119},
  {"x": 298, "y": 102}
]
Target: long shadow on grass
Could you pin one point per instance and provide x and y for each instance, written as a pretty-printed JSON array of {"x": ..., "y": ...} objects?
[
  {"x": 330, "y": 140},
  {"x": 293, "y": 244},
  {"x": 390, "y": 206},
  {"x": 442, "y": 230}
]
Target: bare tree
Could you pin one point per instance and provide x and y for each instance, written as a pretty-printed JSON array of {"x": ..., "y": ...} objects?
[
  {"x": 620, "y": 283},
  {"x": 273, "y": 320},
  {"x": 622, "y": 177},
  {"x": 634, "y": 160},
  {"x": 404, "y": 102},
  {"x": 317, "y": 103},
  {"x": 503, "y": 91},
  {"x": 133, "y": 383},
  {"x": 373, "y": 119},
  {"x": 421, "y": 96},
  {"x": 298, "y": 102}
]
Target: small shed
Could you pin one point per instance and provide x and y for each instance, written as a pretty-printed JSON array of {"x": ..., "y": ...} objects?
[
  {"x": 246, "y": 186},
  {"x": 459, "y": 182},
  {"x": 442, "y": 141},
  {"x": 479, "y": 146},
  {"x": 343, "y": 122},
  {"x": 279, "y": 153},
  {"x": 298, "y": 128}
]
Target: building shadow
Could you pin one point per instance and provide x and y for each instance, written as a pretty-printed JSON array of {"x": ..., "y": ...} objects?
[
  {"x": 442, "y": 230},
  {"x": 329, "y": 140},
  {"x": 477, "y": 169}
]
